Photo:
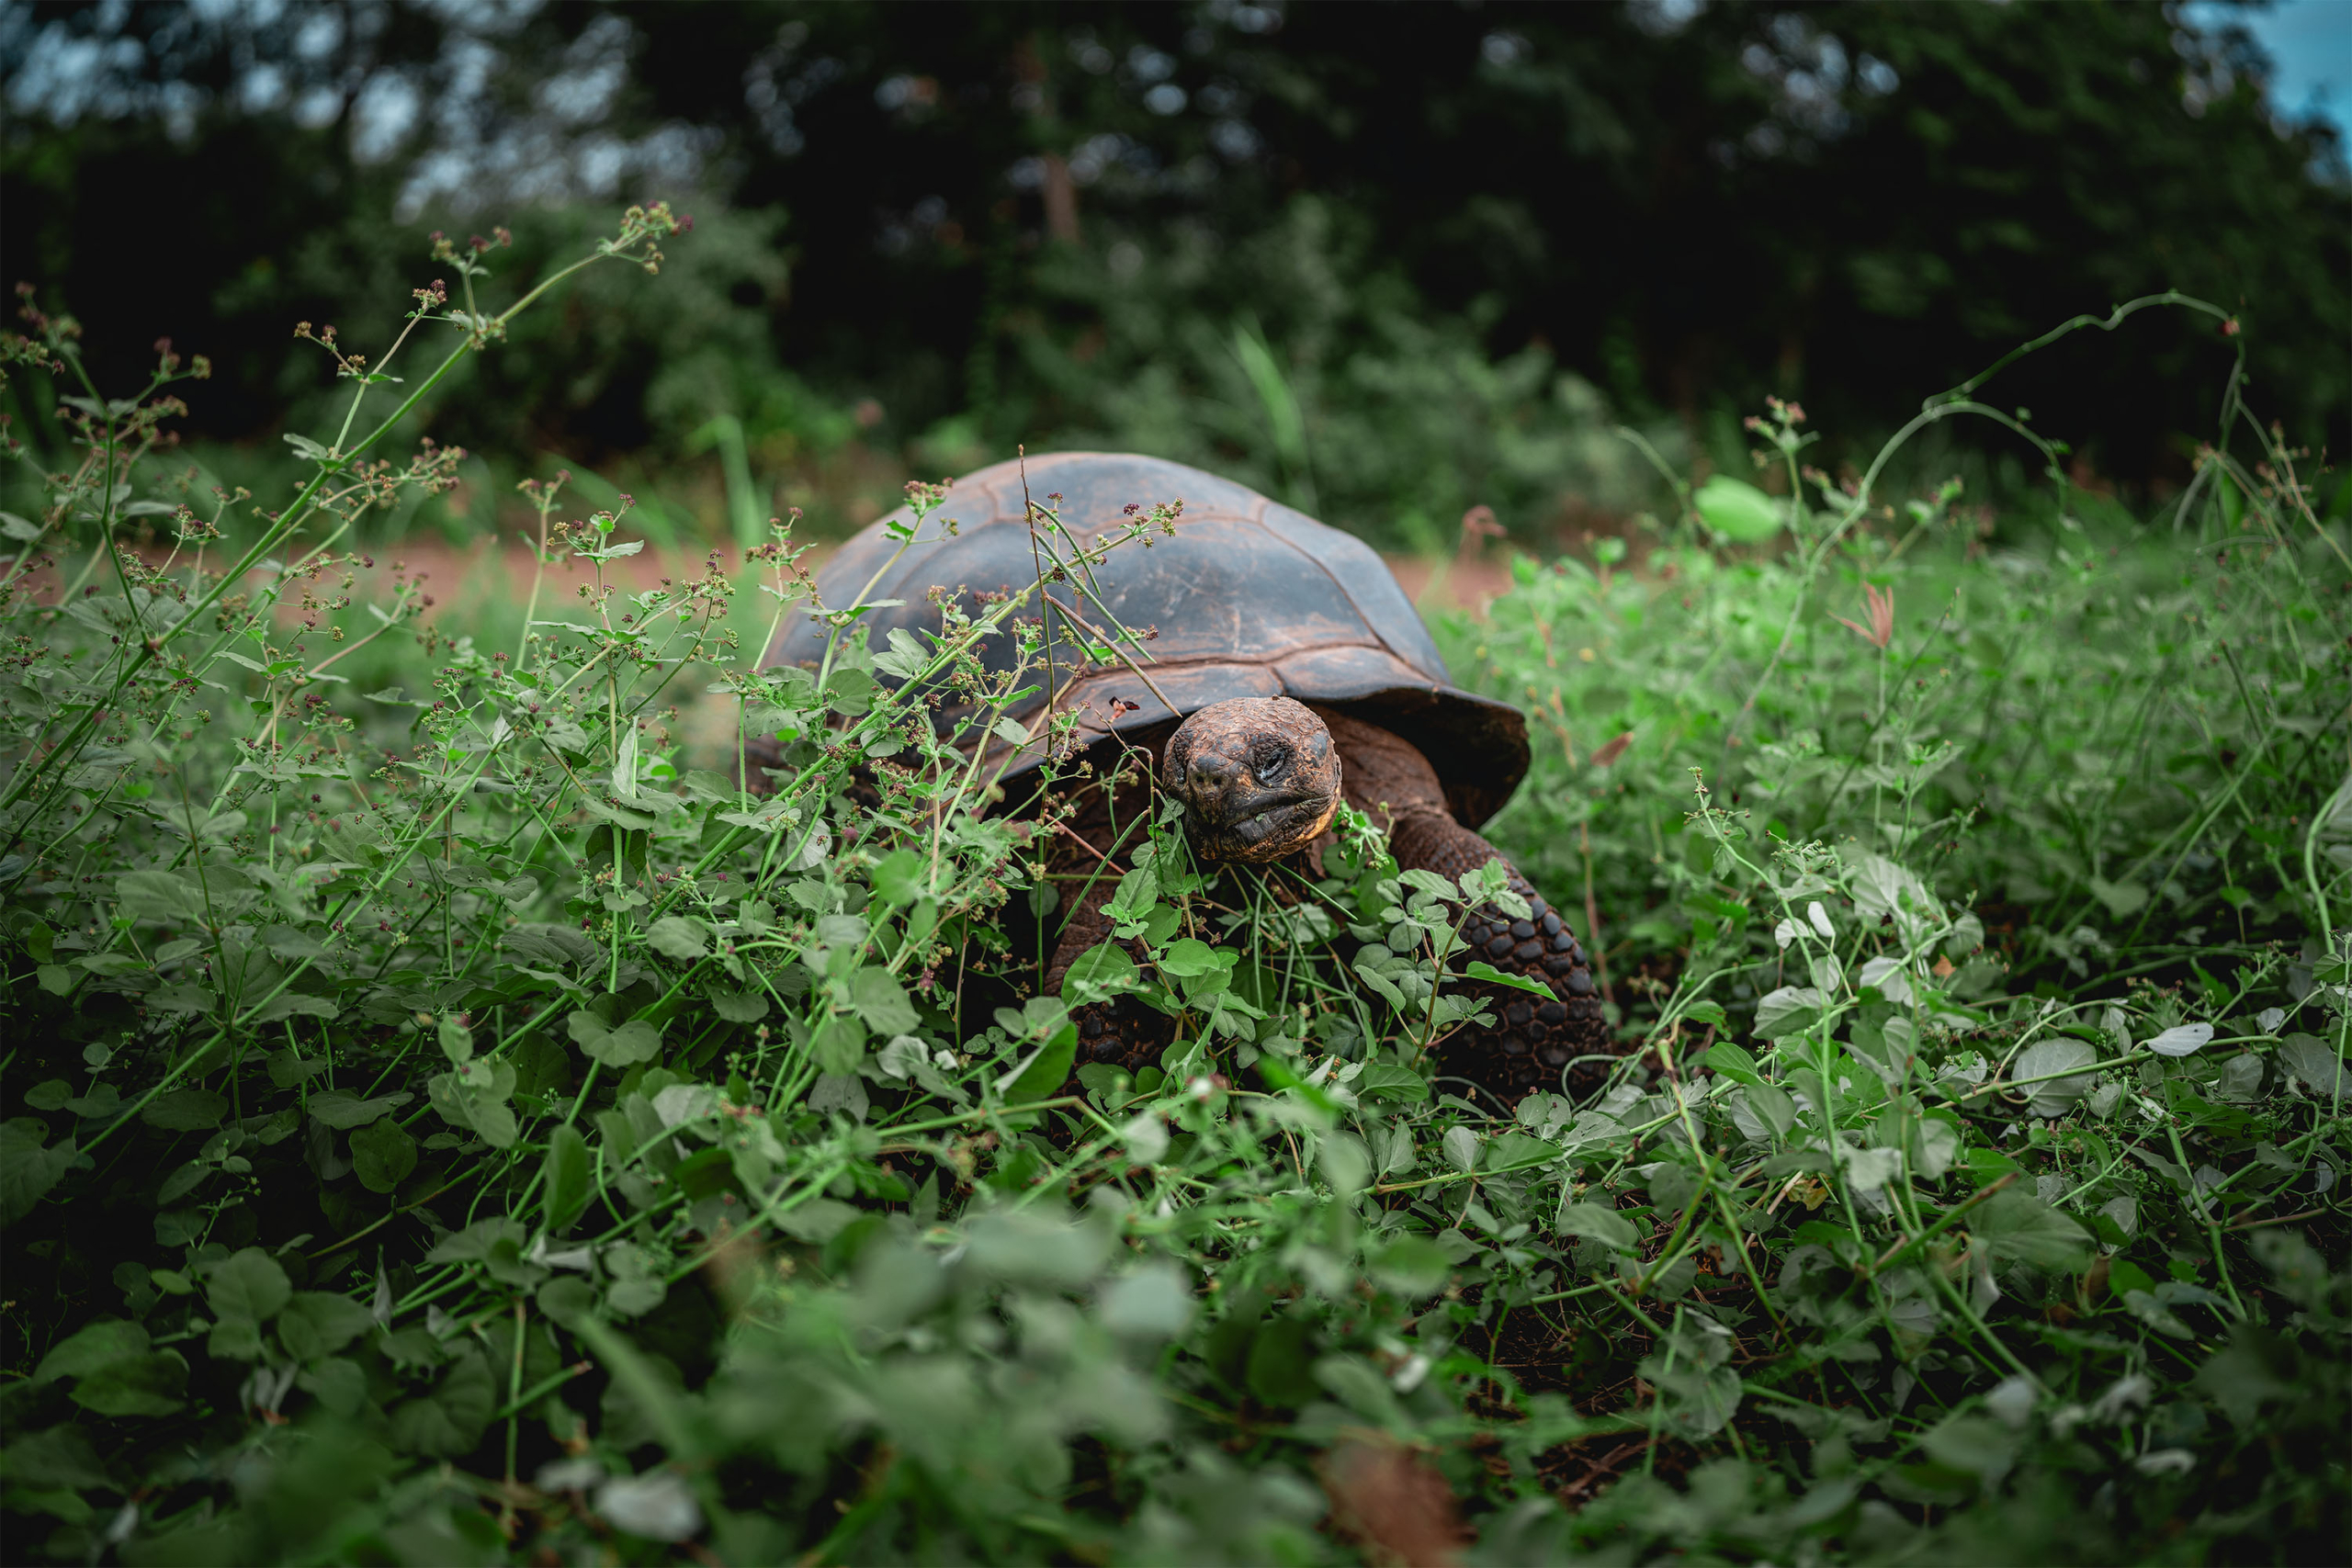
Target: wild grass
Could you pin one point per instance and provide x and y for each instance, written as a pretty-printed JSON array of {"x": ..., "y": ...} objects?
[{"x": 451, "y": 1122}]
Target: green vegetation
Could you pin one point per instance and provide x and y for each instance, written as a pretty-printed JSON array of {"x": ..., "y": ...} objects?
[
  {"x": 448, "y": 1122},
  {"x": 1068, "y": 224}
]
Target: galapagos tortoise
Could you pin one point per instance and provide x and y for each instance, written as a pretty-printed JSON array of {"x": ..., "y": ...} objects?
[{"x": 1287, "y": 672}]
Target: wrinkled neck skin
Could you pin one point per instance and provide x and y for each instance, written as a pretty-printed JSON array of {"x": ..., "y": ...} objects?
[{"x": 1385, "y": 777}]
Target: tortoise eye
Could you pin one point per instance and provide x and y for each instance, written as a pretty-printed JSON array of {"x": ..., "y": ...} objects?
[{"x": 1268, "y": 762}]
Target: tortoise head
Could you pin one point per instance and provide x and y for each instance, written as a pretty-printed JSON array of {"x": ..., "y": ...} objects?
[{"x": 1258, "y": 777}]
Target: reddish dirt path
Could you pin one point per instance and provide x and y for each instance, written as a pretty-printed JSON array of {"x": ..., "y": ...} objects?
[
  {"x": 465, "y": 582},
  {"x": 459, "y": 575},
  {"x": 461, "y": 578}
]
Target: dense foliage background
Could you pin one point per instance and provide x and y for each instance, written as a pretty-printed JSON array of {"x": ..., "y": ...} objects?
[{"x": 1396, "y": 260}]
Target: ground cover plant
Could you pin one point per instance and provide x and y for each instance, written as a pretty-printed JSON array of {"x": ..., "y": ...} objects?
[{"x": 446, "y": 1122}]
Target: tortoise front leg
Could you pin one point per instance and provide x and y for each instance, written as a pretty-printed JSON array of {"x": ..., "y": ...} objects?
[
  {"x": 1122, "y": 1032},
  {"x": 1534, "y": 1039}
]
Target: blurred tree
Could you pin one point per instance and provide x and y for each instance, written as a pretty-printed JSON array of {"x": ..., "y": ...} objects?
[{"x": 1003, "y": 219}]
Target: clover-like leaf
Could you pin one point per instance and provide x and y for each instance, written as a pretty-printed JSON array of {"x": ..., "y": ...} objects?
[
  {"x": 27, "y": 1170},
  {"x": 881, "y": 1001},
  {"x": 2016, "y": 1226},
  {"x": 2182, "y": 1040},
  {"x": 343, "y": 1109},
  {"x": 382, "y": 1154},
  {"x": 249, "y": 1287},
  {"x": 1601, "y": 1223},
  {"x": 679, "y": 937},
  {"x": 624, "y": 1046}
]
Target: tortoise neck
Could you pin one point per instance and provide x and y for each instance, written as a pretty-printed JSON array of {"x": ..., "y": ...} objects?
[{"x": 1382, "y": 775}]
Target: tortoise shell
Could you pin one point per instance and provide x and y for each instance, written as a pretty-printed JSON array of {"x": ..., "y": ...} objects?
[{"x": 1251, "y": 598}]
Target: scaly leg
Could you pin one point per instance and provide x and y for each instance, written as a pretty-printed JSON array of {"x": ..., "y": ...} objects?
[
  {"x": 1534, "y": 1038},
  {"x": 1386, "y": 777}
]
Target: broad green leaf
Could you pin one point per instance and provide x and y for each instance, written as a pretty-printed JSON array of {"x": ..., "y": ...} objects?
[
  {"x": 2051, "y": 1097},
  {"x": 1427, "y": 882},
  {"x": 898, "y": 879},
  {"x": 1041, "y": 1077},
  {"x": 494, "y": 1120},
  {"x": 882, "y": 1002},
  {"x": 1733, "y": 1063},
  {"x": 2016, "y": 1227},
  {"x": 679, "y": 937},
  {"x": 1154, "y": 1302},
  {"x": 567, "y": 1299},
  {"x": 1132, "y": 899},
  {"x": 1382, "y": 985},
  {"x": 1479, "y": 969},
  {"x": 144, "y": 1385},
  {"x": 337, "y": 1383},
  {"x": 249, "y": 1286},
  {"x": 1188, "y": 956},
  {"x": 634, "y": 1041},
  {"x": 2123, "y": 899},
  {"x": 182, "y": 996},
  {"x": 1516, "y": 1151},
  {"x": 738, "y": 1007},
  {"x": 289, "y": 1068},
  {"x": 1788, "y": 1010},
  {"x": 343, "y": 1109},
  {"x": 182, "y": 1182},
  {"x": 1411, "y": 1264},
  {"x": 317, "y": 1323},
  {"x": 1101, "y": 971},
  {"x": 457, "y": 1040},
  {"x": 294, "y": 1004},
  {"x": 1379, "y": 1080},
  {"x": 1602, "y": 1224},
  {"x": 1737, "y": 511},
  {"x": 60, "y": 1457},
  {"x": 449, "y": 1422},
  {"x": 159, "y": 895},
  {"x": 382, "y": 1154},
  {"x": 838, "y": 1043},
  {"x": 1697, "y": 1403},
  {"x": 27, "y": 1169},
  {"x": 1870, "y": 1169},
  {"x": 100, "y": 1345},
  {"x": 567, "y": 1164},
  {"x": 2315, "y": 1063},
  {"x": 1883, "y": 889},
  {"x": 2183, "y": 1040},
  {"x": 185, "y": 1110},
  {"x": 475, "y": 1243},
  {"x": 1771, "y": 1106}
]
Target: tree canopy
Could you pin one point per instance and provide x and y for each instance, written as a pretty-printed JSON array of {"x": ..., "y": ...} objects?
[{"x": 1007, "y": 212}]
